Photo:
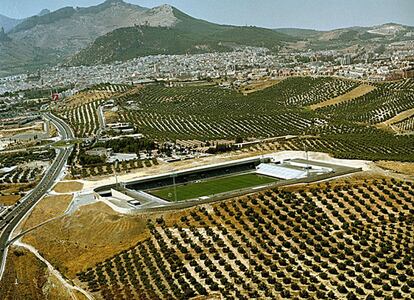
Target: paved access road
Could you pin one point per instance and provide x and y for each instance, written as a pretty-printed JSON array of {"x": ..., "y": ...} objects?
[{"x": 19, "y": 211}]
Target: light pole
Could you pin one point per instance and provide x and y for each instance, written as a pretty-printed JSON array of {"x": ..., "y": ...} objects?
[
  {"x": 306, "y": 158},
  {"x": 116, "y": 173},
  {"x": 174, "y": 185}
]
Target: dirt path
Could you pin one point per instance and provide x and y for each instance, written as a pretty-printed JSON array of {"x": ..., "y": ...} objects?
[
  {"x": 400, "y": 117},
  {"x": 71, "y": 288},
  {"x": 388, "y": 124},
  {"x": 260, "y": 85},
  {"x": 355, "y": 93}
]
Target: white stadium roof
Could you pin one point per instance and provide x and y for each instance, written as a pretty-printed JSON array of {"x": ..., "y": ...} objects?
[{"x": 281, "y": 172}]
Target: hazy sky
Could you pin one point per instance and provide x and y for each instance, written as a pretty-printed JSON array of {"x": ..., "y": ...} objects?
[{"x": 316, "y": 14}]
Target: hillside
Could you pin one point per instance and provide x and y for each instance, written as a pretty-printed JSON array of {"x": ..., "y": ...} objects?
[
  {"x": 20, "y": 57},
  {"x": 3, "y": 36},
  {"x": 60, "y": 34},
  {"x": 128, "y": 43},
  {"x": 8, "y": 23},
  {"x": 299, "y": 33},
  {"x": 116, "y": 30},
  {"x": 188, "y": 35},
  {"x": 71, "y": 29},
  {"x": 370, "y": 37}
]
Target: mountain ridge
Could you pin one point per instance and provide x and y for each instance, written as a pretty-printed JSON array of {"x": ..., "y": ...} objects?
[
  {"x": 98, "y": 34},
  {"x": 188, "y": 35},
  {"x": 8, "y": 23}
]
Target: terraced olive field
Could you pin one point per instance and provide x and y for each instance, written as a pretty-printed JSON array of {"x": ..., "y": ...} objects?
[
  {"x": 405, "y": 126},
  {"x": 338, "y": 240},
  {"x": 298, "y": 106},
  {"x": 81, "y": 110},
  {"x": 385, "y": 102},
  {"x": 208, "y": 112},
  {"x": 211, "y": 113}
]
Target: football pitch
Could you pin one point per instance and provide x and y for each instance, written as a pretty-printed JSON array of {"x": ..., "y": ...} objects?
[{"x": 209, "y": 187}]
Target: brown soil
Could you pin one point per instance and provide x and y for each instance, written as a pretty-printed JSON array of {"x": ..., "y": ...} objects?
[
  {"x": 12, "y": 188},
  {"x": 399, "y": 167},
  {"x": 14, "y": 131},
  {"x": 26, "y": 277},
  {"x": 92, "y": 234},
  {"x": 9, "y": 200},
  {"x": 68, "y": 187},
  {"x": 355, "y": 93},
  {"x": 259, "y": 85},
  {"x": 400, "y": 117},
  {"x": 48, "y": 208},
  {"x": 111, "y": 117}
]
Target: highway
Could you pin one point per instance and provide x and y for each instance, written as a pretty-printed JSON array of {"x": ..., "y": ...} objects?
[{"x": 20, "y": 210}]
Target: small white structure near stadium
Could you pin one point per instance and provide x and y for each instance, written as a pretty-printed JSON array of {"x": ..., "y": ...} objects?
[
  {"x": 291, "y": 170},
  {"x": 278, "y": 171}
]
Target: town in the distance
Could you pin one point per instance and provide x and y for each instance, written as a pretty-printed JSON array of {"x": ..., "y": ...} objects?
[{"x": 148, "y": 154}]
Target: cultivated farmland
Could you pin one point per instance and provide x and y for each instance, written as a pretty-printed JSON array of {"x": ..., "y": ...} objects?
[
  {"x": 405, "y": 126},
  {"x": 353, "y": 128},
  {"x": 83, "y": 118},
  {"x": 331, "y": 241},
  {"x": 81, "y": 110},
  {"x": 383, "y": 103},
  {"x": 208, "y": 112}
]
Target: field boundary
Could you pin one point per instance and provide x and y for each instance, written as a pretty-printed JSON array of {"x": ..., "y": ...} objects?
[
  {"x": 400, "y": 117},
  {"x": 357, "y": 92}
]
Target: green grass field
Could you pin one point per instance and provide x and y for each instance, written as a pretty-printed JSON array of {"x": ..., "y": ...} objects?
[{"x": 212, "y": 186}]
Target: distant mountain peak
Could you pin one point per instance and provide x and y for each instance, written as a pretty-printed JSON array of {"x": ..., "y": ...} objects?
[
  {"x": 163, "y": 8},
  {"x": 8, "y": 23},
  {"x": 114, "y": 2},
  {"x": 44, "y": 12},
  {"x": 168, "y": 6}
]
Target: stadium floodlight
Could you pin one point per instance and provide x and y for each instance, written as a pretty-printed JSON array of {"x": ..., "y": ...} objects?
[
  {"x": 306, "y": 158},
  {"x": 174, "y": 174},
  {"x": 116, "y": 173}
]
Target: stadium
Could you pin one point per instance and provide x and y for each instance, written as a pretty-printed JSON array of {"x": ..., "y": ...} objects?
[{"x": 220, "y": 181}]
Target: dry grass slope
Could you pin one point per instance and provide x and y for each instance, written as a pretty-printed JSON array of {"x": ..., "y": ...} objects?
[
  {"x": 9, "y": 199},
  {"x": 90, "y": 235},
  {"x": 48, "y": 208},
  {"x": 68, "y": 187},
  {"x": 355, "y": 93},
  {"x": 258, "y": 86},
  {"x": 26, "y": 277}
]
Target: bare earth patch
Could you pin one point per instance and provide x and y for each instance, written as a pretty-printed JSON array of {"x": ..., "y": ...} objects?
[
  {"x": 259, "y": 85},
  {"x": 26, "y": 277},
  {"x": 111, "y": 117},
  {"x": 399, "y": 167},
  {"x": 14, "y": 188},
  {"x": 388, "y": 124},
  {"x": 48, "y": 208},
  {"x": 400, "y": 117},
  {"x": 92, "y": 234},
  {"x": 68, "y": 187},
  {"x": 9, "y": 200},
  {"x": 28, "y": 129},
  {"x": 355, "y": 93}
]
